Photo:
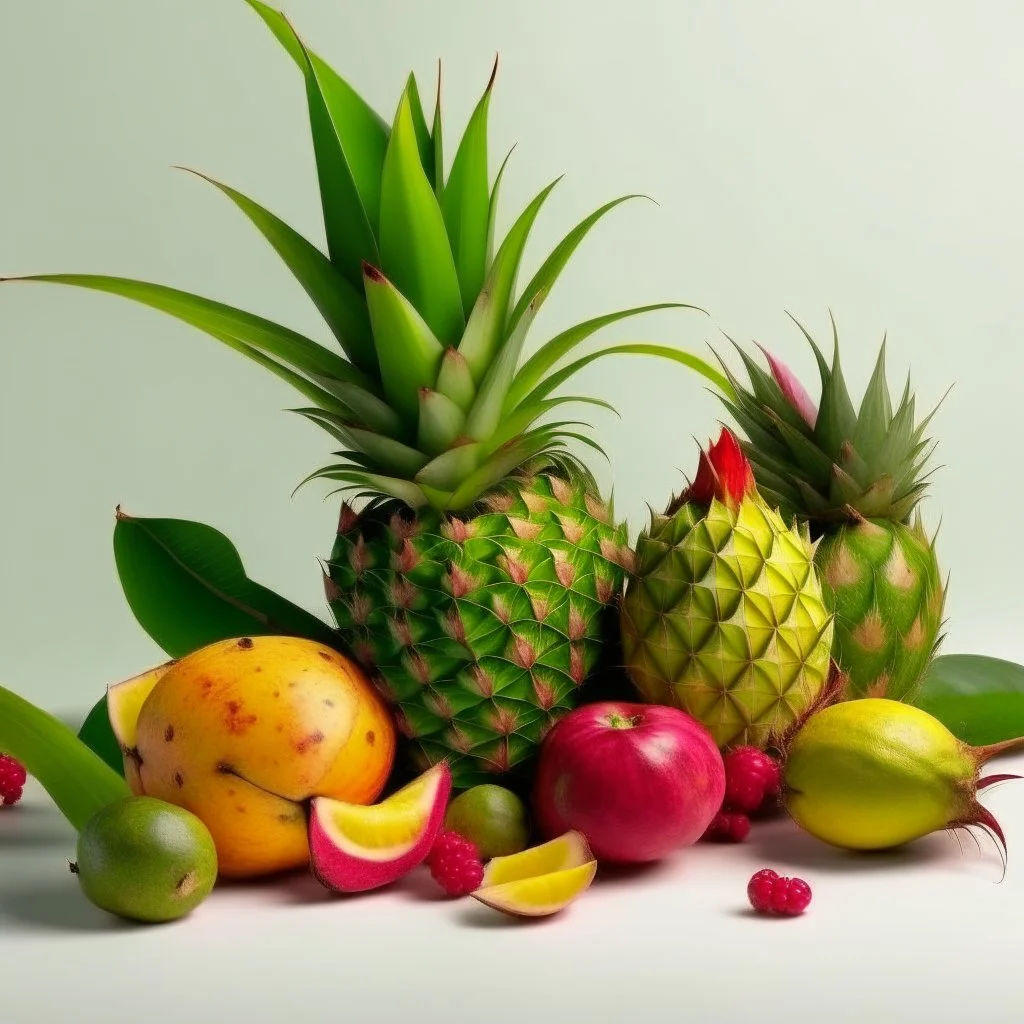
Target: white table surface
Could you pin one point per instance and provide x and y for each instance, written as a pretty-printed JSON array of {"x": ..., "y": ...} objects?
[{"x": 929, "y": 934}]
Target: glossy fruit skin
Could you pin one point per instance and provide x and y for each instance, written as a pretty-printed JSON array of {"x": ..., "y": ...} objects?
[
  {"x": 876, "y": 773},
  {"x": 146, "y": 860},
  {"x": 492, "y": 817},
  {"x": 639, "y": 781},
  {"x": 244, "y": 731}
]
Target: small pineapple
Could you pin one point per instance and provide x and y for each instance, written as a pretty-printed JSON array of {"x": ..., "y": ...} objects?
[
  {"x": 855, "y": 478},
  {"x": 476, "y": 561},
  {"x": 724, "y": 615}
]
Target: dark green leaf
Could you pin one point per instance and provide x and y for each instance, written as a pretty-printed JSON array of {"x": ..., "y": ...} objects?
[
  {"x": 97, "y": 734},
  {"x": 186, "y": 585},
  {"x": 978, "y": 698}
]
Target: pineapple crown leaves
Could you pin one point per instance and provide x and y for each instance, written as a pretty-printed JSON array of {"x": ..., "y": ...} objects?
[
  {"x": 831, "y": 462},
  {"x": 429, "y": 395}
]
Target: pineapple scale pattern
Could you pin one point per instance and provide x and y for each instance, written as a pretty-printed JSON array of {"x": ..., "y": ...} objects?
[
  {"x": 479, "y": 631},
  {"x": 726, "y": 620}
]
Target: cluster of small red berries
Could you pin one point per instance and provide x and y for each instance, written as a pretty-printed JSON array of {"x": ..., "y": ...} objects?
[
  {"x": 752, "y": 779},
  {"x": 455, "y": 864},
  {"x": 770, "y": 893},
  {"x": 12, "y": 780}
]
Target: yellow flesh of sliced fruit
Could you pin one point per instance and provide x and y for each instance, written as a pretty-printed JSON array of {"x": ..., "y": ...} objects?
[
  {"x": 569, "y": 850},
  {"x": 539, "y": 896},
  {"x": 385, "y": 830},
  {"x": 125, "y": 700}
]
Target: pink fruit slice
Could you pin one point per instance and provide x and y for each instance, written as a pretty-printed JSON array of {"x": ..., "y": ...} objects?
[
  {"x": 355, "y": 847},
  {"x": 541, "y": 880}
]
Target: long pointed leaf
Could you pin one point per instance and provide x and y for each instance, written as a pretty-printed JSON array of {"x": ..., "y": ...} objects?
[
  {"x": 437, "y": 140},
  {"x": 389, "y": 457},
  {"x": 414, "y": 249},
  {"x": 362, "y": 132},
  {"x": 409, "y": 353},
  {"x": 423, "y": 140},
  {"x": 485, "y": 331},
  {"x": 466, "y": 201},
  {"x": 523, "y": 416},
  {"x": 78, "y": 780},
  {"x": 704, "y": 368},
  {"x": 404, "y": 490},
  {"x": 186, "y": 585},
  {"x": 544, "y": 280},
  {"x": 492, "y": 212},
  {"x": 364, "y": 407},
  {"x": 455, "y": 379},
  {"x": 533, "y": 370},
  {"x": 339, "y": 303},
  {"x": 218, "y": 319}
]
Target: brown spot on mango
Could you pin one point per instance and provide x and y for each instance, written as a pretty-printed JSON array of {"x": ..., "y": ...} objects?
[
  {"x": 312, "y": 740},
  {"x": 371, "y": 737},
  {"x": 246, "y": 643},
  {"x": 169, "y": 734},
  {"x": 236, "y": 721},
  {"x": 179, "y": 779}
]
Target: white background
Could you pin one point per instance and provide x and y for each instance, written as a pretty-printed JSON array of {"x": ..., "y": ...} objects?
[{"x": 804, "y": 155}]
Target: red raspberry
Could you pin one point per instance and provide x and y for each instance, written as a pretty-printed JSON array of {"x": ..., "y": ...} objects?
[
  {"x": 751, "y": 776},
  {"x": 728, "y": 827},
  {"x": 12, "y": 780},
  {"x": 455, "y": 864},
  {"x": 770, "y": 893}
]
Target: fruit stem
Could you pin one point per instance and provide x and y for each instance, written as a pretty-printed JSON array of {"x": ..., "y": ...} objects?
[
  {"x": 622, "y": 722},
  {"x": 991, "y": 750}
]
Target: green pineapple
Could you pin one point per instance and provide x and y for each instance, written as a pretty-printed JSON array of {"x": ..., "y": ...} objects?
[
  {"x": 724, "y": 615},
  {"x": 475, "y": 560},
  {"x": 856, "y": 478}
]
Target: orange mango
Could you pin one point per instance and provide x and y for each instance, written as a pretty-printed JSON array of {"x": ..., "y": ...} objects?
[{"x": 244, "y": 732}]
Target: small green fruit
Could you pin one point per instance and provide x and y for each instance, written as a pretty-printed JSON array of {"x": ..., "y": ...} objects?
[
  {"x": 874, "y": 773},
  {"x": 146, "y": 860},
  {"x": 492, "y": 818}
]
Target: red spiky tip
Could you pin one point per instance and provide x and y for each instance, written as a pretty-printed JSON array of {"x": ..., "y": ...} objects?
[
  {"x": 791, "y": 388},
  {"x": 723, "y": 473}
]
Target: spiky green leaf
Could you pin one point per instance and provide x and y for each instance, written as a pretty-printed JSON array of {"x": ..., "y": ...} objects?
[
  {"x": 533, "y": 370},
  {"x": 414, "y": 249},
  {"x": 466, "y": 202},
  {"x": 340, "y": 304},
  {"x": 361, "y": 131},
  {"x": 407, "y": 349}
]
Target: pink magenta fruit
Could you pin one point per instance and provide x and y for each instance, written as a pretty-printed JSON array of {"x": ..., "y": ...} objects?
[
  {"x": 12, "y": 780},
  {"x": 751, "y": 777},
  {"x": 455, "y": 864},
  {"x": 728, "y": 827},
  {"x": 355, "y": 847},
  {"x": 637, "y": 780},
  {"x": 770, "y": 893}
]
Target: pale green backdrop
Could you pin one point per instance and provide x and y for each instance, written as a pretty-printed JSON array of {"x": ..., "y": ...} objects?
[{"x": 805, "y": 155}]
